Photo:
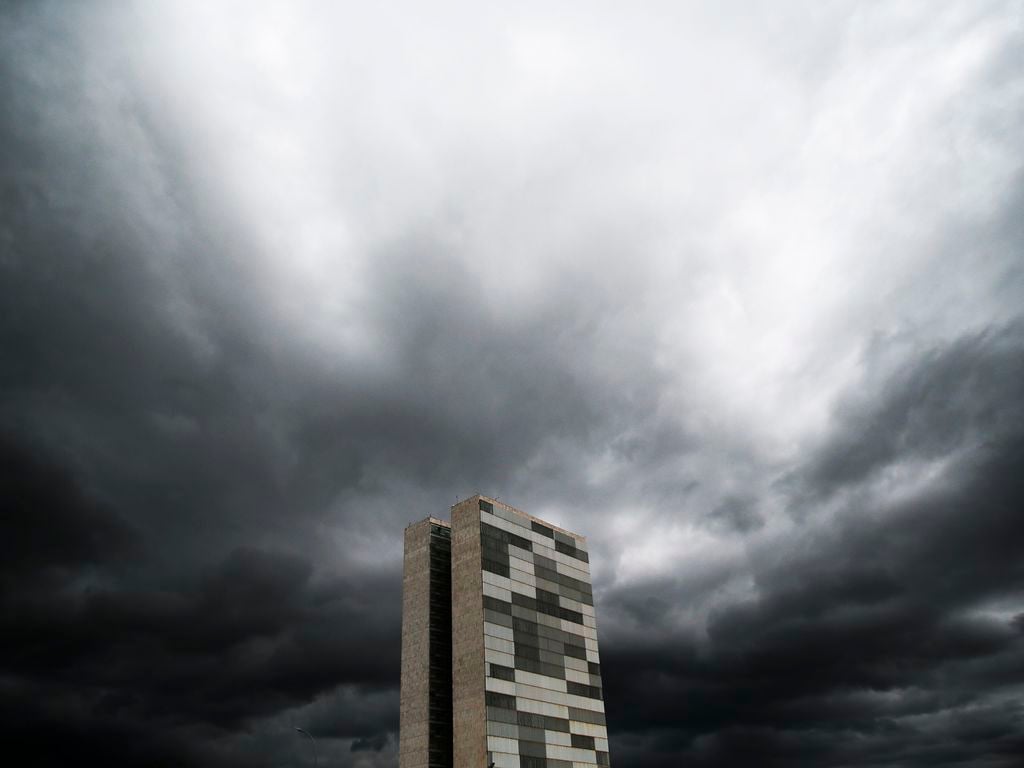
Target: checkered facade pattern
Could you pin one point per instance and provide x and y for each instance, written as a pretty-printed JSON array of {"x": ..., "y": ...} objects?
[{"x": 527, "y": 689}]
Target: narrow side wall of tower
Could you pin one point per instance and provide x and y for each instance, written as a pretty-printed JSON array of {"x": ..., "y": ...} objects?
[{"x": 468, "y": 671}]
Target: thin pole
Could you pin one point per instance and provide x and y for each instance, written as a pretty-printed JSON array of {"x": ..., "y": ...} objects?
[{"x": 303, "y": 730}]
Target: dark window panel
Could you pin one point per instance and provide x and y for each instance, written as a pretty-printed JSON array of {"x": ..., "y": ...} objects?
[
  {"x": 494, "y": 545},
  {"x": 545, "y": 573},
  {"x": 543, "y": 530},
  {"x": 552, "y": 670},
  {"x": 594, "y": 667},
  {"x": 494, "y": 604},
  {"x": 544, "y": 562},
  {"x": 586, "y": 716},
  {"x": 524, "y": 601},
  {"x": 554, "y": 646},
  {"x": 576, "y": 651},
  {"x": 524, "y": 613},
  {"x": 530, "y": 720},
  {"x": 500, "y": 700},
  {"x": 582, "y": 742},
  {"x": 486, "y": 506},
  {"x": 528, "y": 652},
  {"x": 502, "y": 673},
  {"x": 531, "y": 734},
  {"x": 494, "y": 567},
  {"x": 529, "y": 627},
  {"x": 529, "y": 665},
  {"x": 565, "y": 549},
  {"x": 556, "y": 724},
  {"x": 501, "y": 619},
  {"x": 501, "y": 715},
  {"x": 569, "y": 615},
  {"x": 524, "y": 640},
  {"x": 551, "y": 658},
  {"x": 501, "y": 535},
  {"x": 579, "y": 689},
  {"x": 531, "y": 749},
  {"x": 602, "y": 759},
  {"x": 543, "y": 596}
]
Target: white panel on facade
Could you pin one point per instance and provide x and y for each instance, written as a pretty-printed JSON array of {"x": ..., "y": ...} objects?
[
  {"x": 574, "y": 663},
  {"x": 573, "y": 605},
  {"x": 522, "y": 554},
  {"x": 539, "y": 538},
  {"x": 556, "y": 752},
  {"x": 497, "y": 630},
  {"x": 549, "y": 621},
  {"x": 577, "y": 675},
  {"x": 499, "y": 593},
  {"x": 497, "y": 657},
  {"x": 505, "y": 760},
  {"x": 496, "y": 580},
  {"x": 545, "y": 548},
  {"x": 543, "y": 694},
  {"x": 541, "y": 681},
  {"x": 588, "y": 729},
  {"x": 570, "y": 566},
  {"x": 500, "y": 686},
  {"x": 520, "y": 559},
  {"x": 498, "y": 644},
  {"x": 511, "y": 517},
  {"x": 536, "y": 707},
  {"x": 544, "y": 584},
  {"x": 498, "y": 744},
  {"x": 557, "y": 737},
  {"x": 585, "y": 702},
  {"x": 500, "y": 522},
  {"x": 522, "y": 576},
  {"x": 524, "y": 589}
]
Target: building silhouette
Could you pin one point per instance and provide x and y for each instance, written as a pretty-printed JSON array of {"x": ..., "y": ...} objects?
[{"x": 499, "y": 644}]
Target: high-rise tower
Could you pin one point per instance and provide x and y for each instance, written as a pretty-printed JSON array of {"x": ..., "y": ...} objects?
[
  {"x": 524, "y": 667},
  {"x": 425, "y": 714}
]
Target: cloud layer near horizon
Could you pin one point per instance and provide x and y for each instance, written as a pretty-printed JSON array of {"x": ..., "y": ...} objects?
[{"x": 734, "y": 291}]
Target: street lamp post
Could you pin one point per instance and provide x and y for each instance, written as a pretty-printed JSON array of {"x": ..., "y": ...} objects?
[{"x": 303, "y": 730}]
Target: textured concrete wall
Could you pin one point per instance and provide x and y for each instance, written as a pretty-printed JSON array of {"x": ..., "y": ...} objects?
[
  {"x": 468, "y": 672},
  {"x": 415, "y": 685}
]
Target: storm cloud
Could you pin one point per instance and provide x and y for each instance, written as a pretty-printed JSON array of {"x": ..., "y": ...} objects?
[{"x": 734, "y": 290}]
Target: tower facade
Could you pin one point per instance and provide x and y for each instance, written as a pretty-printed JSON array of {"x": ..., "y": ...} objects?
[
  {"x": 425, "y": 713},
  {"x": 524, "y": 665}
]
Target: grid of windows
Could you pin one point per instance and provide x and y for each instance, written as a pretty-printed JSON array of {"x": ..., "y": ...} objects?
[{"x": 544, "y": 695}]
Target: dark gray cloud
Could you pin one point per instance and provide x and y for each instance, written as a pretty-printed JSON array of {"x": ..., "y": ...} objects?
[
  {"x": 881, "y": 629},
  {"x": 272, "y": 288}
]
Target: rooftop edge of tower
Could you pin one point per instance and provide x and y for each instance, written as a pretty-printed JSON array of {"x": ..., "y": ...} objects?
[
  {"x": 430, "y": 519},
  {"x": 480, "y": 497},
  {"x": 510, "y": 508}
]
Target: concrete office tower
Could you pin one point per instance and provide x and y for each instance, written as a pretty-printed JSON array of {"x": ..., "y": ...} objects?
[
  {"x": 425, "y": 712},
  {"x": 526, "y": 677}
]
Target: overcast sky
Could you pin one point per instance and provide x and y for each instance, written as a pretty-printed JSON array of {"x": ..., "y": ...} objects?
[{"x": 735, "y": 289}]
